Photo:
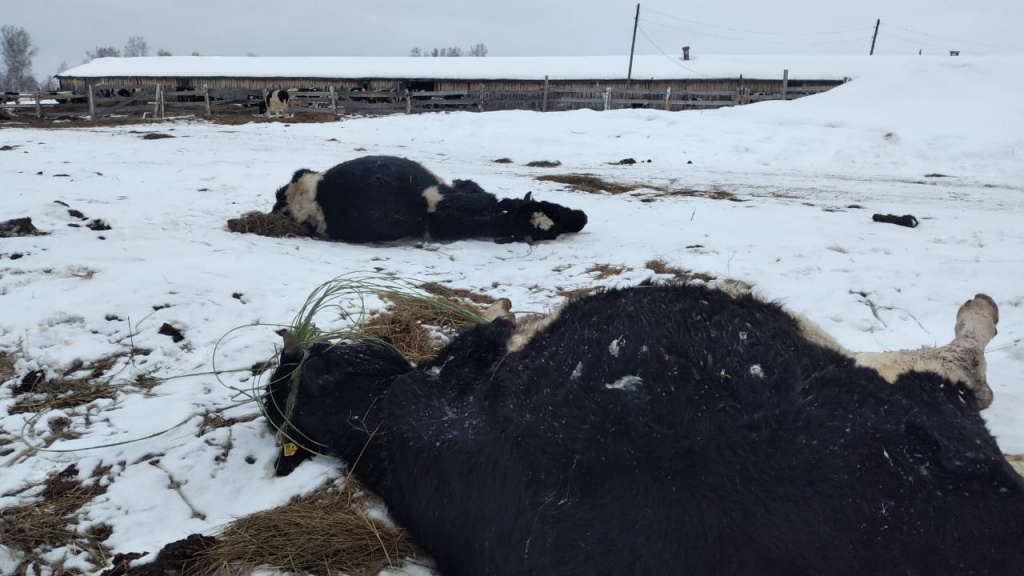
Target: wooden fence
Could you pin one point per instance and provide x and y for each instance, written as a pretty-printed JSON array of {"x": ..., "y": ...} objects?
[{"x": 154, "y": 101}]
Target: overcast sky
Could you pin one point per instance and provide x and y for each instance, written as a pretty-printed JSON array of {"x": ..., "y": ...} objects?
[{"x": 64, "y": 30}]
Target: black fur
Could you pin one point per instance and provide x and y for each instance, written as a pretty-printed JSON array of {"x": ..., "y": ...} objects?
[
  {"x": 279, "y": 95},
  {"x": 381, "y": 198},
  {"x": 667, "y": 452}
]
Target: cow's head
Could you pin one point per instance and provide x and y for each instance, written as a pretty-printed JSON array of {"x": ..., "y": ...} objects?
[
  {"x": 298, "y": 200},
  {"x": 321, "y": 395},
  {"x": 531, "y": 220}
]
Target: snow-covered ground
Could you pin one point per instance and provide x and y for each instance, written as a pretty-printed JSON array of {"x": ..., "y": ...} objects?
[{"x": 809, "y": 174}]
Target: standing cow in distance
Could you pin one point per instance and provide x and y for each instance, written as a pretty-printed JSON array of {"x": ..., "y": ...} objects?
[
  {"x": 665, "y": 430},
  {"x": 383, "y": 198},
  {"x": 275, "y": 104}
]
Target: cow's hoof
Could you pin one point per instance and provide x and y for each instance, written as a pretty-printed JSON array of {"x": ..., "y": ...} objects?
[{"x": 976, "y": 321}]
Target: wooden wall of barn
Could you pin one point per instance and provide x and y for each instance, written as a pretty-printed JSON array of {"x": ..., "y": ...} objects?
[{"x": 751, "y": 86}]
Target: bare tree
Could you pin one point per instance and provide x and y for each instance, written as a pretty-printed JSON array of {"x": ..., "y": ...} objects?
[
  {"x": 251, "y": 54},
  {"x": 136, "y": 46},
  {"x": 102, "y": 52},
  {"x": 162, "y": 52},
  {"x": 194, "y": 53},
  {"x": 18, "y": 53},
  {"x": 478, "y": 49},
  {"x": 51, "y": 82}
]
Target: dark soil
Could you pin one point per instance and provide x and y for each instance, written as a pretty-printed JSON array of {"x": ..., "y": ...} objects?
[
  {"x": 19, "y": 227},
  {"x": 178, "y": 557},
  {"x": 174, "y": 333}
]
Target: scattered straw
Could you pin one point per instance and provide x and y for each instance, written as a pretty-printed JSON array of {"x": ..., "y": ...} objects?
[
  {"x": 420, "y": 326},
  {"x": 544, "y": 164},
  {"x": 588, "y": 183},
  {"x": 576, "y": 293},
  {"x": 659, "y": 266},
  {"x": 326, "y": 532},
  {"x": 605, "y": 271},
  {"x": 274, "y": 225},
  {"x": 49, "y": 523}
]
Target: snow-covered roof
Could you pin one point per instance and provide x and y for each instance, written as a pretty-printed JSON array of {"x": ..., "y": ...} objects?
[{"x": 645, "y": 67}]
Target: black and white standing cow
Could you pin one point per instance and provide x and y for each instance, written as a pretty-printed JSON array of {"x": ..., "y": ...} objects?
[
  {"x": 665, "y": 430},
  {"x": 275, "y": 104},
  {"x": 382, "y": 198}
]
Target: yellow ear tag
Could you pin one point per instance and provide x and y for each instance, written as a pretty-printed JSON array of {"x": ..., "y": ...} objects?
[{"x": 289, "y": 449}]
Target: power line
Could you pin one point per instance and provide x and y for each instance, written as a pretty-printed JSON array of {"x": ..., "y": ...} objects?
[
  {"x": 804, "y": 43},
  {"x": 812, "y": 42},
  {"x": 773, "y": 33},
  {"x": 674, "y": 60},
  {"x": 912, "y": 41},
  {"x": 960, "y": 40}
]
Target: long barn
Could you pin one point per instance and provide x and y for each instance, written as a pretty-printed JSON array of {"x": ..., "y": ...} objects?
[{"x": 491, "y": 83}]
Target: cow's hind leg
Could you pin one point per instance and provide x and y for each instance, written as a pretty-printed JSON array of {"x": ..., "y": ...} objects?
[{"x": 962, "y": 360}]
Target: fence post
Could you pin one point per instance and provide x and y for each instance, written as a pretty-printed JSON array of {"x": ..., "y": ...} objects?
[
  {"x": 544, "y": 101},
  {"x": 482, "y": 107},
  {"x": 163, "y": 108},
  {"x": 39, "y": 107},
  {"x": 785, "y": 83},
  {"x": 334, "y": 100},
  {"x": 156, "y": 102},
  {"x": 206, "y": 98},
  {"x": 92, "y": 105},
  {"x": 608, "y": 98},
  {"x": 408, "y": 102},
  {"x": 739, "y": 91},
  {"x": 668, "y": 96}
]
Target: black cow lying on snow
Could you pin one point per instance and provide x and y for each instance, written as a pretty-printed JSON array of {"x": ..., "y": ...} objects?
[
  {"x": 381, "y": 198},
  {"x": 665, "y": 430}
]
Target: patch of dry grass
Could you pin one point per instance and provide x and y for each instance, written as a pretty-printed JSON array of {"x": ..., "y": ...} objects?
[
  {"x": 49, "y": 523},
  {"x": 267, "y": 224},
  {"x": 60, "y": 394},
  {"x": 575, "y": 293},
  {"x": 37, "y": 394},
  {"x": 544, "y": 164},
  {"x": 592, "y": 184},
  {"x": 714, "y": 193},
  {"x": 7, "y": 370},
  {"x": 326, "y": 532},
  {"x": 603, "y": 271},
  {"x": 588, "y": 183},
  {"x": 659, "y": 266},
  {"x": 417, "y": 327}
]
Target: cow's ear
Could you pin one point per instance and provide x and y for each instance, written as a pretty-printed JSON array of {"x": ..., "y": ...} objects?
[{"x": 528, "y": 197}]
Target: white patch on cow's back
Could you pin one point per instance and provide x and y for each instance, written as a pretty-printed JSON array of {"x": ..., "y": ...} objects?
[
  {"x": 301, "y": 198},
  {"x": 577, "y": 372},
  {"x": 542, "y": 221},
  {"x": 616, "y": 346},
  {"x": 527, "y": 328},
  {"x": 433, "y": 197},
  {"x": 756, "y": 370},
  {"x": 628, "y": 383}
]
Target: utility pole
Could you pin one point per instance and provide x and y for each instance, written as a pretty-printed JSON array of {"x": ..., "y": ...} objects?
[
  {"x": 632, "y": 47},
  {"x": 873, "y": 38}
]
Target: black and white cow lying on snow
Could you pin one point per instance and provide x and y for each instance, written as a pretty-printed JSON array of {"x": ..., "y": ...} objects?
[
  {"x": 275, "y": 104},
  {"x": 665, "y": 430},
  {"x": 381, "y": 198}
]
